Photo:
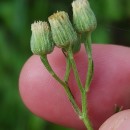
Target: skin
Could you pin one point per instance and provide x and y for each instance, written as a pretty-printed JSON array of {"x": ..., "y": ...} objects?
[
  {"x": 45, "y": 97},
  {"x": 119, "y": 121}
]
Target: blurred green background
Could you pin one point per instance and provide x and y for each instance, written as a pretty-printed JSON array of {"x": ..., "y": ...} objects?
[{"x": 16, "y": 17}]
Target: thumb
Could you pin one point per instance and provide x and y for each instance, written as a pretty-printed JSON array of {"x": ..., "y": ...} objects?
[{"x": 119, "y": 121}]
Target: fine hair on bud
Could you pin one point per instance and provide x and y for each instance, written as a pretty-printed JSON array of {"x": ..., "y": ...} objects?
[
  {"x": 83, "y": 16},
  {"x": 41, "y": 39},
  {"x": 62, "y": 30}
]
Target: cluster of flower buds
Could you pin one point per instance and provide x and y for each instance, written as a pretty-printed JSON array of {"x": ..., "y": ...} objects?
[{"x": 62, "y": 33}]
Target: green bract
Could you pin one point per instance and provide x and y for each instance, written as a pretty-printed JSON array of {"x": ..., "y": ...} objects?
[
  {"x": 83, "y": 17},
  {"x": 41, "y": 39},
  {"x": 62, "y": 31}
]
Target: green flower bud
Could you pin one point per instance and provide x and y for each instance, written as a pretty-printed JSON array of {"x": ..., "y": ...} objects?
[
  {"x": 62, "y": 31},
  {"x": 83, "y": 17},
  {"x": 41, "y": 39}
]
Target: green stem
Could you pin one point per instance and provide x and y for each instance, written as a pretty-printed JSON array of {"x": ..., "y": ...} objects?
[
  {"x": 68, "y": 69},
  {"x": 89, "y": 77},
  {"x": 90, "y": 62},
  {"x": 73, "y": 64},
  {"x": 88, "y": 44},
  {"x": 85, "y": 117},
  {"x": 66, "y": 86},
  {"x": 89, "y": 74}
]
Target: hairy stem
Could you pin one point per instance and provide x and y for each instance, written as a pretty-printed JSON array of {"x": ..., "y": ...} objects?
[
  {"x": 85, "y": 117},
  {"x": 90, "y": 62},
  {"x": 73, "y": 64},
  {"x": 68, "y": 69},
  {"x": 65, "y": 85}
]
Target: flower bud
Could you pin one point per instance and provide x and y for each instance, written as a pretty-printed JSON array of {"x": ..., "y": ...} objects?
[
  {"x": 62, "y": 31},
  {"x": 83, "y": 17},
  {"x": 41, "y": 39}
]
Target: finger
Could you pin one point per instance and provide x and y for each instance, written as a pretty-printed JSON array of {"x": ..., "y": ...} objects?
[
  {"x": 47, "y": 99},
  {"x": 119, "y": 121}
]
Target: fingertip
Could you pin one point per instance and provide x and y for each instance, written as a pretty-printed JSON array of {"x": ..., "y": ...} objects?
[
  {"x": 119, "y": 121},
  {"x": 110, "y": 86}
]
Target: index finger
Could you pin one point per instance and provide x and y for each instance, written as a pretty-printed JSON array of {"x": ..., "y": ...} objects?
[{"x": 47, "y": 99}]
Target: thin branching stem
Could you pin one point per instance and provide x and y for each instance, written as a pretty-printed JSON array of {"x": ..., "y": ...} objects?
[{"x": 65, "y": 85}]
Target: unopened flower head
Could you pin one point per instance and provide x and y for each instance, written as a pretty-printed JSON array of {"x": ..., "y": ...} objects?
[
  {"x": 41, "y": 39},
  {"x": 62, "y": 31},
  {"x": 83, "y": 16}
]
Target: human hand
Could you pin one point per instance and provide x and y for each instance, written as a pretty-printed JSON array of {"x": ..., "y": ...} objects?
[{"x": 110, "y": 86}]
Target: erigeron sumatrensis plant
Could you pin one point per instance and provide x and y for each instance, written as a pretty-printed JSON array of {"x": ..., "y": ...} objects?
[{"x": 63, "y": 34}]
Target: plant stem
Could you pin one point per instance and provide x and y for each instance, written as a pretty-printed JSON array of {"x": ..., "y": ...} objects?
[
  {"x": 89, "y": 74},
  {"x": 73, "y": 64},
  {"x": 66, "y": 86},
  {"x": 87, "y": 83},
  {"x": 68, "y": 68},
  {"x": 85, "y": 117},
  {"x": 90, "y": 62}
]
